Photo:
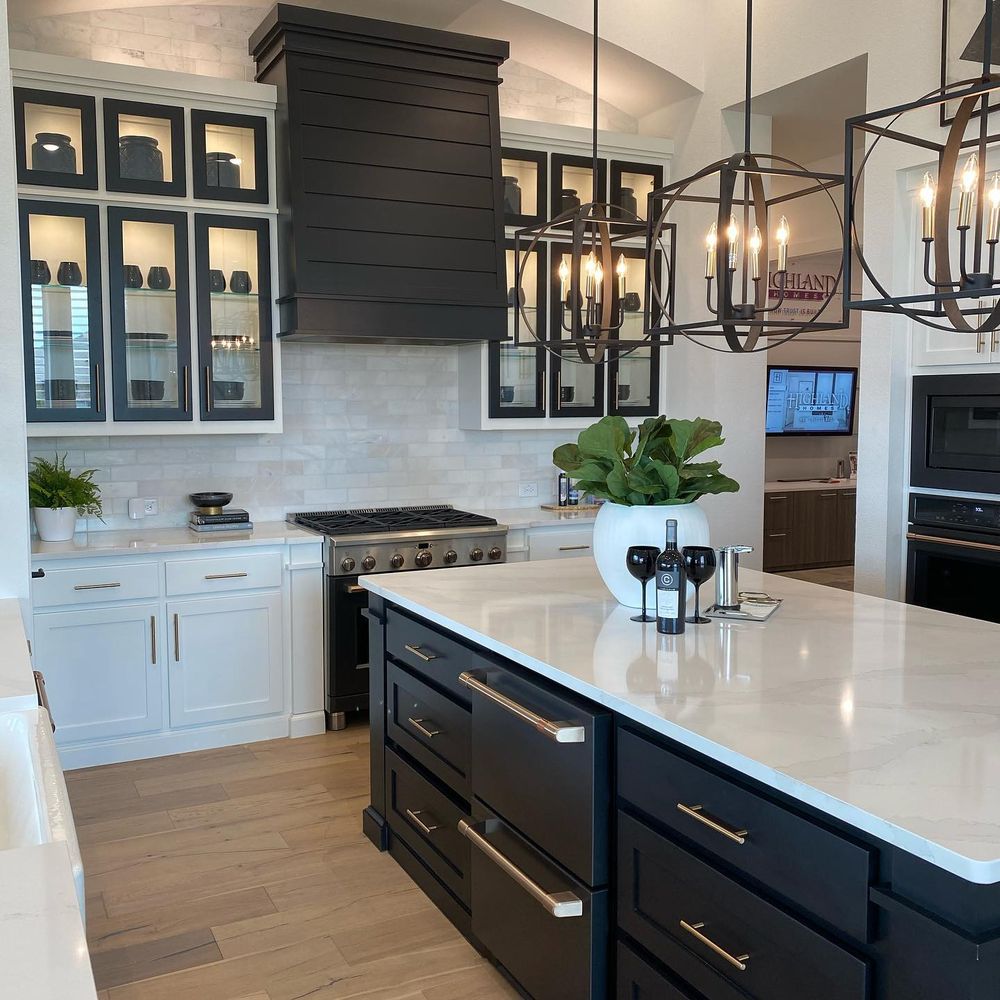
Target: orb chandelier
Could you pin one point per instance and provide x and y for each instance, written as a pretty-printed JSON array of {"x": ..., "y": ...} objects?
[
  {"x": 943, "y": 296},
  {"x": 593, "y": 274},
  {"x": 744, "y": 296}
]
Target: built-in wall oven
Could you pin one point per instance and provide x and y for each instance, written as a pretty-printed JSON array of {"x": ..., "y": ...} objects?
[
  {"x": 953, "y": 555},
  {"x": 956, "y": 433}
]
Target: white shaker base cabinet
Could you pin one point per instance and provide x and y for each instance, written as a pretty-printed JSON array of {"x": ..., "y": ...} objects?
[
  {"x": 225, "y": 659},
  {"x": 102, "y": 670}
]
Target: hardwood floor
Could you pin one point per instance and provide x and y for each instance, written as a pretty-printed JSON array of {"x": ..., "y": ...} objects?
[
  {"x": 841, "y": 577},
  {"x": 242, "y": 874}
]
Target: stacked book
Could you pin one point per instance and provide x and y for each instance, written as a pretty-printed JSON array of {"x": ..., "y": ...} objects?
[{"x": 231, "y": 519}]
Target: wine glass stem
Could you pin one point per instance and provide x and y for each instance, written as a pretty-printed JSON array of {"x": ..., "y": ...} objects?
[
  {"x": 697, "y": 601},
  {"x": 644, "y": 582}
]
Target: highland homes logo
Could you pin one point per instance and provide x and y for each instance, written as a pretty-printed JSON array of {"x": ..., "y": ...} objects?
[{"x": 803, "y": 285}]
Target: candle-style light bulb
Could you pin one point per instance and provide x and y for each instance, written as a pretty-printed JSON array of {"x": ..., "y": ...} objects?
[
  {"x": 589, "y": 268},
  {"x": 598, "y": 283},
  {"x": 967, "y": 183},
  {"x": 782, "y": 236},
  {"x": 622, "y": 271},
  {"x": 993, "y": 197},
  {"x": 754, "y": 244},
  {"x": 928, "y": 193},
  {"x": 563, "y": 272},
  {"x": 733, "y": 239},
  {"x": 711, "y": 243}
]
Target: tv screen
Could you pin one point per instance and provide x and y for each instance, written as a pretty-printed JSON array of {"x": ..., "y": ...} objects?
[{"x": 804, "y": 401}]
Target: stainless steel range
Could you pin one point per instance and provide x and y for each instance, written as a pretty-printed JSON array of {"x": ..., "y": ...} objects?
[{"x": 384, "y": 540}]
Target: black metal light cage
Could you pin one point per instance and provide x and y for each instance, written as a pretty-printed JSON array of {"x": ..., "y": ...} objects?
[{"x": 939, "y": 306}]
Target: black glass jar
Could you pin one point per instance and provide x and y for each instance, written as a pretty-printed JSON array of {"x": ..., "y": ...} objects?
[
  {"x": 222, "y": 170},
  {"x": 629, "y": 203},
  {"x": 54, "y": 152},
  {"x": 570, "y": 199},
  {"x": 139, "y": 158},
  {"x": 511, "y": 196}
]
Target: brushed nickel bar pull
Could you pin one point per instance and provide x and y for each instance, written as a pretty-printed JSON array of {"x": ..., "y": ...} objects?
[
  {"x": 561, "y": 732},
  {"x": 152, "y": 635},
  {"x": 736, "y": 961},
  {"x": 208, "y": 389},
  {"x": 354, "y": 588},
  {"x": 225, "y": 576},
  {"x": 980, "y": 343},
  {"x": 177, "y": 638},
  {"x": 96, "y": 586},
  {"x": 187, "y": 389},
  {"x": 573, "y": 548},
  {"x": 695, "y": 812},
  {"x": 559, "y": 904},
  {"x": 960, "y": 542},
  {"x": 97, "y": 394},
  {"x": 771, "y": 496},
  {"x": 418, "y": 652},
  {"x": 414, "y": 817},
  {"x": 778, "y": 534},
  {"x": 826, "y": 496},
  {"x": 994, "y": 341},
  {"x": 421, "y": 728}
]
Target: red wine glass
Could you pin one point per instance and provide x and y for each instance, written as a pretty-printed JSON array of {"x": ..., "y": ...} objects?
[
  {"x": 641, "y": 562},
  {"x": 699, "y": 560}
]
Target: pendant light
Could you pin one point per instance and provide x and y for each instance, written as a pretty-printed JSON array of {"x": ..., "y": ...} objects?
[
  {"x": 593, "y": 274},
  {"x": 943, "y": 297},
  {"x": 742, "y": 220}
]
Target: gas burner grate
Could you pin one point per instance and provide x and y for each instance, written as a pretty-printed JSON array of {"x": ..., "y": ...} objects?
[{"x": 381, "y": 519}]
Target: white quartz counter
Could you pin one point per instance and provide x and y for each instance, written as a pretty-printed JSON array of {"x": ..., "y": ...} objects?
[
  {"x": 535, "y": 517},
  {"x": 883, "y": 715},
  {"x": 803, "y": 485},
  {"x": 146, "y": 540},
  {"x": 17, "y": 681}
]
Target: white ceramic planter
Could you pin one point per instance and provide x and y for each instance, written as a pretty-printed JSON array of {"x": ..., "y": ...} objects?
[
  {"x": 618, "y": 527},
  {"x": 55, "y": 524}
]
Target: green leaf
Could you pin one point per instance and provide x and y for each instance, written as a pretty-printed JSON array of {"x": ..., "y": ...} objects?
[
  {"x": 609, "y": 438},
  {"x": 567, "y": 457},
  {"x": 51, "y": 484},
  {"x": 668, "y": 475}
]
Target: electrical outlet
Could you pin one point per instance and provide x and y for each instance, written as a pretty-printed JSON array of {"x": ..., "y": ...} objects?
[
  {"x": 526, "y": 491},
  {"x": 150, "y": 506}
]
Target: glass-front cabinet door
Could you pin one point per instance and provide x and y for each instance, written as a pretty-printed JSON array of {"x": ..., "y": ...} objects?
[
  {"x": 573, "y": 182},
  {"x": 233, "y": 266},
  {"x": 631, "y": 186},
  {"x": 150, "y": 314},
  {"x": 56, "y": 138},
  {"x": 517, "y": 371},
  {"x": 229, "y": 156},
  {"x": 576, "y": 388},
  {"x": 634, "y": 377},
  {"x": 61, "y": 305},
  {"x": 144, "y": 148},
  {"x": 525, "y": 186}
]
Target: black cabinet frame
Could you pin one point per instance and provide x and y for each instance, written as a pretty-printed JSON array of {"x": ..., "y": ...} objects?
[
  {"x": 496, "y": 347},
  {"x": 87, "y": 106},
  {"x": 119, "y": 346},
  {"x": 92, "y": 221},
  {"x": 561, "y": 160},
  {"x": 540, "y": 159},
  {"x": 258, "y": 195},
  {"x": 202, "y": 224},
  {"x": 619, "y": 167},
  {"x": 113, "y": 109}
]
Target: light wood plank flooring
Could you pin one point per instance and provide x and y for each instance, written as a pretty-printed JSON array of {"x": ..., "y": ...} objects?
[{"x": 242, "y": 874}]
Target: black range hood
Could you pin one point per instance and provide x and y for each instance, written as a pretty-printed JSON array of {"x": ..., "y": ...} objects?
[{"x": 389, "y": 179}]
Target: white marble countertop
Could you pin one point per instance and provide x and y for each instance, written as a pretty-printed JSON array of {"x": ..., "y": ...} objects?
[
  {"x": 801, "y": 485},
  {"x": 43, "y": 947},
  {"x": 883, "y": 715},
  {"x": 146, "y": 540},
  {"x": 17, "y": 681},
  {"x": 535, "y": 517}
]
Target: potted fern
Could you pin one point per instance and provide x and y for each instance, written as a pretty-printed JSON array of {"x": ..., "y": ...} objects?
[
  {"x": 58, "y": 497},
  {"x": 645, "y": 476}
]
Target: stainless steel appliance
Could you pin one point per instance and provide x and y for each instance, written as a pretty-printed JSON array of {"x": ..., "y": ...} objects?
[
  {"x": 384, "y": 540},
  {"x": 956, "y": 433},
  {"x": 727, "y": 583},
  {"x": 953, "y": 555}
]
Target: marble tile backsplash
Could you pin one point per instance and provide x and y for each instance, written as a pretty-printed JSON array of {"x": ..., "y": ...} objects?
[{"x": 363, "y": 426}]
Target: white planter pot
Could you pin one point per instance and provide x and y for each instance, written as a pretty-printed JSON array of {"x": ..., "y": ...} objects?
[
  {"x": 55, "y": 524},
  {"x": 618, "y": 527}
]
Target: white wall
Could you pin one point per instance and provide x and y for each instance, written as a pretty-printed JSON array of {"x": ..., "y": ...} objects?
[{"x": 14, "y": 563}]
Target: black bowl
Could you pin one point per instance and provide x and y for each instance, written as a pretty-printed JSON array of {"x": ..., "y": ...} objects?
[
  {"x": 210, "y": 499},
  {"x": 226, "y": 391},
  {"x": 145, "y": 390}
]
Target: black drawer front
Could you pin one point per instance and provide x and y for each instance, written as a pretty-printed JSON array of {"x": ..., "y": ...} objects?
[
  {"x": 427, "y": 820},
  {"x": 660, "y": 886},
  {"x": 638, "y": 980},
  {"x": 430, "y": 653},
  {"x": 429, "y": 726},
  {"x": 553, "y": 958},
  {"x": 555, "y": 793},
  {"x": 780, "y": 847}
]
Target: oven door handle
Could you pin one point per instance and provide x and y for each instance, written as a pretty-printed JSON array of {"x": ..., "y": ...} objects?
[{"x": 960, "y": 543}]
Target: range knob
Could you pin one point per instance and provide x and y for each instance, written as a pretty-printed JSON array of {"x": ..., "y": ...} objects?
[
  {"x": 396, "y": 561},
  {"x": 368, "y": 563},
  {"x": 423, "y": 558},
  {"x": 451, "y": 556},
  {"x": 476, "y": 555},
  {"x": 347, "y": 565},
  {"x": 495, "y": 553}
]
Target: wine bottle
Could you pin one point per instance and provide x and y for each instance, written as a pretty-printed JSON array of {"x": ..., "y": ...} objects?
[{"x": 671, "y": 586}]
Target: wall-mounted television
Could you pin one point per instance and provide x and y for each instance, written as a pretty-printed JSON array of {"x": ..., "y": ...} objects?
[{"x": 810, "y": 401}]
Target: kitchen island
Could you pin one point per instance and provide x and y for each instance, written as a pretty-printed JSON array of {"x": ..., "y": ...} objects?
[{"x": 803, "y": 807}]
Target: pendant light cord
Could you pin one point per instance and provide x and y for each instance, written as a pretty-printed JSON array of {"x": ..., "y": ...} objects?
[
  {"x": 596, "y": 45},
  {"x": 749, "y": 67}
]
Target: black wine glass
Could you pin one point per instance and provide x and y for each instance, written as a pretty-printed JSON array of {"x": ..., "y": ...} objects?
[
  {"x": 641, "y": 562},
  {"x": 699, "y": 560}
]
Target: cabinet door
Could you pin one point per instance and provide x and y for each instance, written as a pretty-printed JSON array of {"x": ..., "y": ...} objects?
[
  {"x": 939, "y": 347},
  {"x": 779, "y": 539},
  {"x": 102, "y": 670},
  {"x": 827, "y": 547},
  {"x": 233, "y": 264},
  {"x": 560, "y": 543},
  {"x": 225, "y": 658},
  {"x": 61, "y": 306},
  {"x": 150, "y": 314},
  {"x": 847, "y": 503}
]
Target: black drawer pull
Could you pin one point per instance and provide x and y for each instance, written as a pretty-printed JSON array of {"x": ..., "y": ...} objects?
[
  {"x": 414, "y": 817},
  {"x": 695, "y": 812},
  {"x": 736, "y": 961},
  {"x": 559, "y": 904},
  {"x": 417, "y": 651},
  {"x": 561, "y": 732},
  {"x": 418, "y": 725}
]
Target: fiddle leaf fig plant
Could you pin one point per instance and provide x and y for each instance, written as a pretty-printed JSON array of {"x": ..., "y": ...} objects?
[
  {"x": 649, "y": 466},
  {"x": 52, "y": 485}
]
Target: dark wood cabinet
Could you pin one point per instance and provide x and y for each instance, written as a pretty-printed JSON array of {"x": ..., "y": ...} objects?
[
  {"x": 808, "y": 529},
  {"x": 390, "y": 179}
]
